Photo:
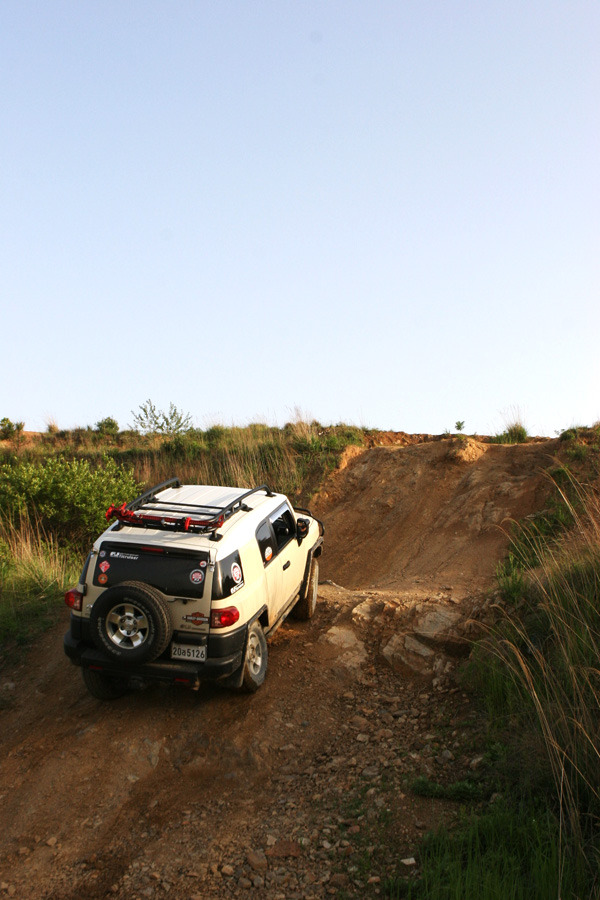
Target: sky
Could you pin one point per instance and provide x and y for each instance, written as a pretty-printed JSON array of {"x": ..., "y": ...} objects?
[{"x": 379, "y": 213}]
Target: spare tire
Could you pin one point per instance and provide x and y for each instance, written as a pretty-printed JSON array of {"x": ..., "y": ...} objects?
[{"x": 131, "y": 622}]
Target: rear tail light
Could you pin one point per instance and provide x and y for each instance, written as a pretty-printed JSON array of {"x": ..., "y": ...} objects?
[
  {"x": 223, "y": 618},
  {"x": 74, "y": 599}
]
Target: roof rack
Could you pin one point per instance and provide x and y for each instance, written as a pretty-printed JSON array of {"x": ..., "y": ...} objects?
[{"x": 147, "y": 511}]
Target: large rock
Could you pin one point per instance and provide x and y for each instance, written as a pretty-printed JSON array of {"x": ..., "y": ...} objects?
[{"x": 353, "y": 653}]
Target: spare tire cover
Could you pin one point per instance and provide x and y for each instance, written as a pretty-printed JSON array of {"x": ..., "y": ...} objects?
[{"x": 131, "y": 622}]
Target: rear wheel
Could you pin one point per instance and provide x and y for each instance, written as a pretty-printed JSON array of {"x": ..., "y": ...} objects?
[
  {"x": 103, "y": 686},
  {"x": 255, "y": 661},
  {"x": 131, "y": 622},
  {"x": 306, "y": 605}
]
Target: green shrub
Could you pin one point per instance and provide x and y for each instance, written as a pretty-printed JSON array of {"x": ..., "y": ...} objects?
[
  {"x": 108, "y": 427},
  {"x": 68, "y": 497},
  {"x": 515, "y": 433},
  {"x": 577, "y": 450},
  {"x": 10, "y": 429}
]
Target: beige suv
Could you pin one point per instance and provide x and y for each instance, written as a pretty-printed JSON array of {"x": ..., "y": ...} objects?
[{"x": 188, "y": 583}]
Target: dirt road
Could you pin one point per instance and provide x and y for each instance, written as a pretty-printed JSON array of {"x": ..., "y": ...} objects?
[{"x": 300, "y": 790}]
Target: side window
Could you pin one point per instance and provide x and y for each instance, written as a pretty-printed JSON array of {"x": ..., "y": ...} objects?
[
  {"x": 284, "y": 526},
  {"x": 228, "y": 577},
  {"x": 266, "y": 543}
]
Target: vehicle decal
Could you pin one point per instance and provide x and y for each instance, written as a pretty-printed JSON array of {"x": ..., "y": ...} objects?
[
  {"x": 104, "y": 566},
  {"x": 196, "y": 618},
  {"x": 268, "y": 553},
  {"x": 203, "y": 564},
  {"x": 197, "y": 576},
  {"x": 236, "y": 573},
  {"x": 102, "y": 579},
  {"x": 115, "y": 554},
  {"x": 102, "y": 553}
]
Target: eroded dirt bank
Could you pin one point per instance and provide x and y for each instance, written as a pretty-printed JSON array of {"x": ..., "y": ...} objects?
[{"x": 299, "y": 791}]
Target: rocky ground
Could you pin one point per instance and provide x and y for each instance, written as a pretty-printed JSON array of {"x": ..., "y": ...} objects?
[{"x": 302, "y": 790}]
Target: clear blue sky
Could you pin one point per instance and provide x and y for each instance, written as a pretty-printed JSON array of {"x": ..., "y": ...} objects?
[{"x": 385, "y": 213}]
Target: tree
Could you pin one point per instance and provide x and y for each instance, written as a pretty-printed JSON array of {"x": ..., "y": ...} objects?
[
  {"x": 150, "y": 420},
  {"x": 107, "y": 426}
]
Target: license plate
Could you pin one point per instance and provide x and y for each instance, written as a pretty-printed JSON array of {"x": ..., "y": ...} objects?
[{"x": 191, "y": 652}]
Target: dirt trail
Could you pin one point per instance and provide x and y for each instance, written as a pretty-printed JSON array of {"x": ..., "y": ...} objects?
[{"x": 298, "y": 791}]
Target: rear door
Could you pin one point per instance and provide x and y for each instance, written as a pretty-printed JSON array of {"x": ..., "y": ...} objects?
[
  {"x": 273, "y": 574},
  {"x": 283, "y": 564},
  {"x": 291, "y": 561},
  {"x": 179, "y": 575}
]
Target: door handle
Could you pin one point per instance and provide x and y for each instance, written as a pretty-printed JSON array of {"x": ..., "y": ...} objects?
[{"x": 286, "y": 565}]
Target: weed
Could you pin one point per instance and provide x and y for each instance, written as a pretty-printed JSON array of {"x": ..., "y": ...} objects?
[
  {"x": 34, "y": 574},
  {"x": 541, "y": 669},
  {"x": 510, "y": 578},
  {"x": 515, "y": 433},
  {"x": 460, "y": 791},
  {"x": 511, "y": 852},
  {"x": 577, "y": 451}
]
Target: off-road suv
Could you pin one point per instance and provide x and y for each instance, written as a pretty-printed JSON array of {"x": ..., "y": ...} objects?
[{"x": 187, "y": 584}]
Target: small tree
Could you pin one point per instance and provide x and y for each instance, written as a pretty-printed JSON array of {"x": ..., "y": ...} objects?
[
  {"x": 107, "y": 427},
  {"x": 150, "y": 420},
  {"x": 10, "y": 429},
  {"x": 459, "y": 425}
]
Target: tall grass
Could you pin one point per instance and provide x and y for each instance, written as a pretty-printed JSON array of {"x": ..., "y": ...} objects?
[
  {"x": 510, "y": 852},
  {"x": 34, "y": 574},
  {"x": 292, "y": 459},
  {"x": 544, "y": 677}
]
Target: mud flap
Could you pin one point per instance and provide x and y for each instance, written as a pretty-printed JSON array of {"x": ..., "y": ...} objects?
[{"x": 234, "y": 681}]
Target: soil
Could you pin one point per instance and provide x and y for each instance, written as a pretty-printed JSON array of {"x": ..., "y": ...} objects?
[{"x": 301, "y": 790}]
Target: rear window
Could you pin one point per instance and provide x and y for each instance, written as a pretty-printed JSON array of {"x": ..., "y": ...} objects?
[{"x": 174, "y": 572}]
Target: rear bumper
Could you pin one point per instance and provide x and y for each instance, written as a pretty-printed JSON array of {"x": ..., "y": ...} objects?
[{"x": 225, "y": 654}]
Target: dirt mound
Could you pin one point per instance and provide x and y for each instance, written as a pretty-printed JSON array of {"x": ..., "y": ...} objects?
[{"x": 433, "y": 511}]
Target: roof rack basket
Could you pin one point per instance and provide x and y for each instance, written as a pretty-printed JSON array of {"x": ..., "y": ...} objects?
[{"x": 147, "y": 511}]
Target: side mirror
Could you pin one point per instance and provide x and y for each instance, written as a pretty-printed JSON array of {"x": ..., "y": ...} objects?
[{"x": 302, "y": 527}]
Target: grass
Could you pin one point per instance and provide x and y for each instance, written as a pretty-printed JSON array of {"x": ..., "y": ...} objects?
[
  {"x": 293, "y": 459},
  {"x": 514, "y": 433},
  {"x": 34, "y": 574},
  {"x": 467, "y": 791},
  {"x": 510, "y": 852},
  {"x": 538, "y": 673}
]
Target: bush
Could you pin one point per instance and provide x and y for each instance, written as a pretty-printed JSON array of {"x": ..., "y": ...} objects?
[
  {"x": 515, "y": 433},
  {"x": 107, "y": 427},
  {"x": 10, "y": 429},
  {"x": 68, "y": 497}
]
